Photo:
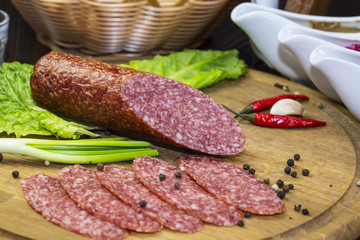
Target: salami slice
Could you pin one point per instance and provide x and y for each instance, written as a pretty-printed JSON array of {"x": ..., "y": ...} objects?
[
  {"x": 136, "y": 103},
  {"x": 85, "y": 188},
  {"x": 47, "y": 197},
  {"x": 123, "y": 183},
  {"x": 183, "y": 192},
  {"x": 232, "y": 185}
]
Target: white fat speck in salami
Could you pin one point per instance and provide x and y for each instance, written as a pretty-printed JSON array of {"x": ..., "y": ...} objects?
[
  {"x": 232, "y": 185},
  {"x": 187, "y": 195},
  {"x": 85, "y": 188},
  {"x": 123, "y": 183},
  {"x": 46, "y": 195}
]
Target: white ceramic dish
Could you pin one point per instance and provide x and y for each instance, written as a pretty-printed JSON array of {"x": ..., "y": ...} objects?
[
  {"x": 263, "y": 28},
  {"x": 341, "y": 39},
  {"x": 302, "y": 46},
  {"x": 349, "y": 23},
  {"x": 262, "y": 24},
  {"x": 268, "y": 3},
  {"x": 302, "y": 41},
  {"x": 341, "y": 68}
]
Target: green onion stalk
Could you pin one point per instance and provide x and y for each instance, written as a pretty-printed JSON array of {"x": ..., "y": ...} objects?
[{"x": 83, "y": 151}]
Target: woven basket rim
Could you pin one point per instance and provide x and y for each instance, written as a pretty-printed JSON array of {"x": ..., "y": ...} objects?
[{"x": 107, "y": 26}]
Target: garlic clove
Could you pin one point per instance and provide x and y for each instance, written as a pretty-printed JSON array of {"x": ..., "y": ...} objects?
[{"x": 288, "y": 107}]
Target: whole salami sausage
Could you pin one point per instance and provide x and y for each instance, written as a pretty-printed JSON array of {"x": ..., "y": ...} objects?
[
  {"x": 183, "y": 192},
  {"x": 123, "y": 183},
  {"x": 47, "y": 197},
  {"x": 132, "y": 101},
  {"x": 85, "y": 188},
  {"x": 232, "y": 185}
]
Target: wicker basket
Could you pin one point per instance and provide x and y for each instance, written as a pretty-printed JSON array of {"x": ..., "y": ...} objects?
[{"x": 124, "y": 28}]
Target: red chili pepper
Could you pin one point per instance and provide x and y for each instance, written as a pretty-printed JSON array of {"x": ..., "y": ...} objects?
[
  {"x": 280, "y": 121},
  {"x": 266, "y": 103}
]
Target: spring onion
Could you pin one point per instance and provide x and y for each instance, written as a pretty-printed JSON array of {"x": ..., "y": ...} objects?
[{"x": 84, "y": 151}]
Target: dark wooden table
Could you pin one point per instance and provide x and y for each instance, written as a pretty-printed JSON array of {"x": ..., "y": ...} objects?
[{"x": 23, "y": 46}]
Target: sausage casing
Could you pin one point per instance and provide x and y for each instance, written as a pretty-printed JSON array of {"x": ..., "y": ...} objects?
[{"x": 128, "y": 100}]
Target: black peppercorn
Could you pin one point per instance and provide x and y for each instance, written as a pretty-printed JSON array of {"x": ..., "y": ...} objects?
[
  {"x": 305, "y": 172},
  {"x": 108, "y": 132},
  {"x": 177, "y": 185},
  {"x": 142, "y": 203},
  {"x": 240, "y": 223},
  {"x": 178, "y": 174},
  {"x": 294, "y": 174},
  {"x": 1, "y": 157},
  {"x": 290, "y": 162},
  {"x": 266, "y": 181},
  {"x": 278, "y": 85},
  {"x": 246, "y": 166},
  {"x": 297, "y": 157},
  {"x": 281, "y": 194},
  {"x": 100, "y": 166},
  {"x": 15, "y": 174},
  {"x": 297, "y": 207},
  {"x": 286, "y": 188},
  {"x": 305, "y": 211},
  {"x": 247, "y": 215},
  {"x": 162, "y": 177},
  {"x": 252, "y": 171},
  {"x": 287, "y": 170},
  {"x": 291, "y": 186},
  {"x": 280, "y": 183}
]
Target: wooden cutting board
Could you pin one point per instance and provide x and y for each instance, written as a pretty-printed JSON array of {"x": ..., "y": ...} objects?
[{"x": 331, "y": 153}]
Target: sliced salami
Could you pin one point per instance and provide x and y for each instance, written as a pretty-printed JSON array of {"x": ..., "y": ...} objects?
[
  {"x": 123, "y": 183},
  {"x": 85, "y": 188},
  {"x": 183, "y": 192},
  {"x": 232, "y": 185},
  {"x": 136, "y": 103},
  {"x": 46, "y": 195}
]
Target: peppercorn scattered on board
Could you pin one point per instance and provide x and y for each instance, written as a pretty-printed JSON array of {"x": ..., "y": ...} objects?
[{"x": 329, "y": 192}]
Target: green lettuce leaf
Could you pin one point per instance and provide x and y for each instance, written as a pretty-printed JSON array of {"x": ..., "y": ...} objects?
[
  {"x": 197, "y": 68},
  {"x": 19, "y": 113}
]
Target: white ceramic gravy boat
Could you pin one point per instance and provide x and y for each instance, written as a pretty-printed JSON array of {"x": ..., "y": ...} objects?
[
  {"x": 341, "y": 39},
  {"x": 302, "y": 41},
  {"x": 341, "y": 67},
  {"x": 262, "y": 24},
  {"x": 348, "y": 23},
  {"x": 302, "y": 46},
  {"x": 262, "y": 28}
]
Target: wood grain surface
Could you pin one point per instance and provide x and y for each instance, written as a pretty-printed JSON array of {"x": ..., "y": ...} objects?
[{"x": 331, "y": 153}]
